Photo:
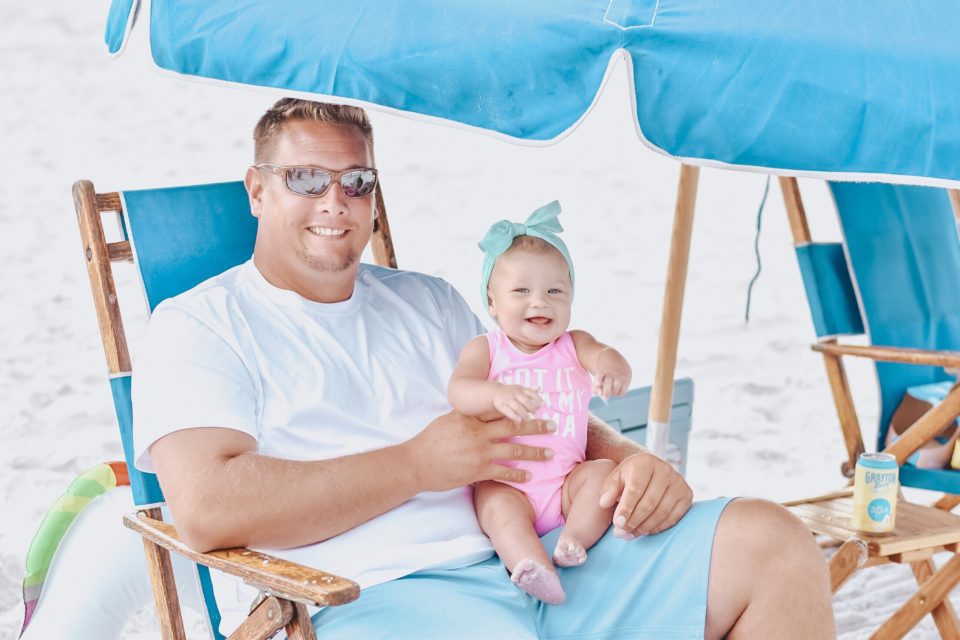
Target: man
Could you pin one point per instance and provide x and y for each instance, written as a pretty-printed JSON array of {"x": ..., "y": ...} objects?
[{"x": 296, "y": 404}]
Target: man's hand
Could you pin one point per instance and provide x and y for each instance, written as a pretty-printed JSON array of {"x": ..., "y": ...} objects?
[
  {"x": 456, "y": 450},
  {"x": 515, "y": 402},
  {"x": 650, "y": 496}
]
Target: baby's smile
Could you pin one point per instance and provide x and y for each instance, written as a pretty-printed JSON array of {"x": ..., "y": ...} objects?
[{"x": 540, "y": 321}]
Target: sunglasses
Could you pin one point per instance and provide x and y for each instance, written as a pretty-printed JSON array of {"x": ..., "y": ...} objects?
[{"x": 313, "y": 182}]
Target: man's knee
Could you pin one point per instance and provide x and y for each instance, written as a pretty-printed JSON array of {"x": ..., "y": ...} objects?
[
  {"x": 765, "y": 561},
  {"x": 766, "y": 531}
]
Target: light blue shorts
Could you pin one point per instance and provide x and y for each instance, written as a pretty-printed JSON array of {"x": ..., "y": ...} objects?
[{"x": 653, "y": 587}]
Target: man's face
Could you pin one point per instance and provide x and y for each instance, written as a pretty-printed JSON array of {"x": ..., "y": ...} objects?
[{"x": 299, "y": 238}]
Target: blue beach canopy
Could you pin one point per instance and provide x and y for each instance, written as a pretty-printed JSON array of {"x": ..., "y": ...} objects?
[{"x": 860, "y": 89}]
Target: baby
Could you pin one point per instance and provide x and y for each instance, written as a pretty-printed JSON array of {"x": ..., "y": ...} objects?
[{"x": 532, "y": 366}]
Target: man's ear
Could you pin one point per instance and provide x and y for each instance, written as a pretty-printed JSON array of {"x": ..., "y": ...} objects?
[{"x": 254, "y": 184}]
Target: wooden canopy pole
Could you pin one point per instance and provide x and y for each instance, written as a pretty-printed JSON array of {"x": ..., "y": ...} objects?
[{"x": 661, "y": 398}]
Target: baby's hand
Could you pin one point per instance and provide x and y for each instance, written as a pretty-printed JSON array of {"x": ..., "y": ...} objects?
[
  {"x": 515, "y": 402},
  {"x": 613, "y": 375}
]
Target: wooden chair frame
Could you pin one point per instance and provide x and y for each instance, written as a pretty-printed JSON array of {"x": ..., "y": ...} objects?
[
  {"x": 921, "y": 530},
  {"x": 288, "y": 587}
]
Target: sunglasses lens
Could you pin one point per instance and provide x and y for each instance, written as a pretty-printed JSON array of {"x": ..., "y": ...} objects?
[
  {"x": 358, "y": 183},
  {"x": 308, "y": 182}
]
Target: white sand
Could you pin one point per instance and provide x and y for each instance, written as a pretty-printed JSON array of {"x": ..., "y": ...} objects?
[{"x": 763, "y": 418}]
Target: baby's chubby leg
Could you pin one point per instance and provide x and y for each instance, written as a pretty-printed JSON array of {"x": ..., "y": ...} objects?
[
  {"x": 586, "y": 521},
  {"x": 507, "y": 517}
]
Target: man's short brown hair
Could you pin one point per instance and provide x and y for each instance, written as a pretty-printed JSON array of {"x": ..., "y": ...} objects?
[{"x": 287, "y": 109}]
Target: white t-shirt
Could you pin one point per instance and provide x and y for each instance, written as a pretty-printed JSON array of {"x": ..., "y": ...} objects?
[{"x": 314, "y": 381}]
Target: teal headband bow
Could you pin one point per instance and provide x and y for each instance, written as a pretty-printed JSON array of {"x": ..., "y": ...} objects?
[{"x": 542, "y": 224}]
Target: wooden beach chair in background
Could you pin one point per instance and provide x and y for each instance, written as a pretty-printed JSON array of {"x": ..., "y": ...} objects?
[
  {"x": 176, "y": 238},
  {"x": 895, "y": 278}
]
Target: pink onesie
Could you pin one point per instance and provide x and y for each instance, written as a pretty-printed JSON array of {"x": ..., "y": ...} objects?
[{"x": 565, "y": 389}]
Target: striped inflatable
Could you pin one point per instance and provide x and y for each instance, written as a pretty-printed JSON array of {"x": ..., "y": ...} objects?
[{"x": 87, "y": 486}]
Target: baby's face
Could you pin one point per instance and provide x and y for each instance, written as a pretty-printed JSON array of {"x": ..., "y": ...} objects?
[{"x": 530, "y": 297}]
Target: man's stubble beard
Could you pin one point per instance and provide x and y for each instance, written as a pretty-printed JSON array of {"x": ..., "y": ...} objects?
[{"x": 320, "y": 263}]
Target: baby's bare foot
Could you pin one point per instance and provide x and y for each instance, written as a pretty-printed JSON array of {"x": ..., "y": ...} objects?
[
  {"x": 539, "y": 581},
  {"x": 569, "y": 552}
]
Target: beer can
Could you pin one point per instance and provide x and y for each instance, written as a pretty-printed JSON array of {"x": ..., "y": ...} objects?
[{"x": 875, "y": 488}]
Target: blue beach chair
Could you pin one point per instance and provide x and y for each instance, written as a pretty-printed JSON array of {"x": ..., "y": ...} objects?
[{"x": 896, "y": 279}]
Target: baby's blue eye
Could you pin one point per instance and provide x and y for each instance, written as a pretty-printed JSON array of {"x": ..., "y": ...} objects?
[
  {"x": 555, "y": 291},
  {"x": 521, "y": 290}
]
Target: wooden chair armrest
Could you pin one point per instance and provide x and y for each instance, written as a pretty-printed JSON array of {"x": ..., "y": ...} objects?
[
  {"x": 268, "y": 573},
  {"x": 947, "y": 359}
]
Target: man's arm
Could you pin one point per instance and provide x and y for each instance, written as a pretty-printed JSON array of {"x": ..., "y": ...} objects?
[
  {"x": 649, "y": 493},
  {"x": 222, "y": 493}
]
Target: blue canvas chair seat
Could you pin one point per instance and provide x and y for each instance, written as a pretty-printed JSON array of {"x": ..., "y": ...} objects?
[
  {"x": 896, "y": 278},
  {"x": 904, "y": 255}
]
